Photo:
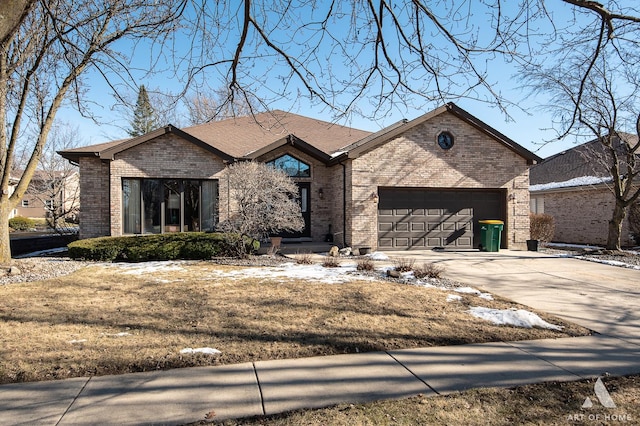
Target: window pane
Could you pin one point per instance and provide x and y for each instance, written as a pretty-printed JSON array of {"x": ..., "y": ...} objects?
[
  {"x": 291, "y": 166},
  {"x": 131, "y": 206},
  {"x": 191, "y": 205},
  {"x": 209, "y": 205},
  {"x": 152, "y": 205},
  {"x": 172, "y": 206}
]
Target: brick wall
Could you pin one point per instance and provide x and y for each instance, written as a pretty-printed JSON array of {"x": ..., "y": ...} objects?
[
  {"x": 582, "y": 215},
  {"x": 414, "y": 159},
  {"x": 94, "y": 207},
  {"x": 165, "y": 157}
]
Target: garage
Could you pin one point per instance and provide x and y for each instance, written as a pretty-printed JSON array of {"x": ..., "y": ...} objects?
[{"x": 424, "y": 218}]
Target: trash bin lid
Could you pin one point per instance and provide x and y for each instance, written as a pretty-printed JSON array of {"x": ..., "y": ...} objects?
[{"x": 491, "y": 222}]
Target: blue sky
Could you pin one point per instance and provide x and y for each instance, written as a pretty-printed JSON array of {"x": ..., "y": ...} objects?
[{"x": 526, "y": 128}]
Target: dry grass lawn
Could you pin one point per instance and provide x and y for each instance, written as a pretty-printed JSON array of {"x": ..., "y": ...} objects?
[
  {"x": 107, "y": 320},
  {"x": 540, "y": 404}
]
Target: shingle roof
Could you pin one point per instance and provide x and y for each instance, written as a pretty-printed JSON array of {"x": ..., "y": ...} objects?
[
  {"x": 239, "y": 137},
  {"x": 253, "y": 136},
  {"x": 576, "y": 162}
]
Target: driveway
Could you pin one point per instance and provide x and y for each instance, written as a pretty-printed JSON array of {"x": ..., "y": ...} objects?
[{"x": 600, "y": 297}]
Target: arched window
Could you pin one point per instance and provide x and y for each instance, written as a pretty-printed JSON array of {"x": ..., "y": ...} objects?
[{"x": 291, "y": 166}]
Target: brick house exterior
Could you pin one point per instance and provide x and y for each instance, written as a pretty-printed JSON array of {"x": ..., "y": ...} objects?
[
  {"x": 574, "y": 187},
  {"x": 415, "y": 184}
]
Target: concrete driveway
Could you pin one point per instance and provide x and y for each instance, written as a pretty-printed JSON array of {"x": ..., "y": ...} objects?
[{"x": 600, "y": 297}]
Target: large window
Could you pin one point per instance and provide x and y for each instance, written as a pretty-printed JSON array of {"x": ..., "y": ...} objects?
[
  {"x": 153, "y": 206},
  {"x": 291, "y": 166}
]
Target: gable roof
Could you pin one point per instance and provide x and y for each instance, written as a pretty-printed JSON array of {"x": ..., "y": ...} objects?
[
  {"x": 577, "y": 166},
  {"x": 248, "y": 138},
  {"x": 376, "y": 139}
]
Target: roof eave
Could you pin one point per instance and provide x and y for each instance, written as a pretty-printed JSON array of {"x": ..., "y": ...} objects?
[{"x": 294, "y": 141}]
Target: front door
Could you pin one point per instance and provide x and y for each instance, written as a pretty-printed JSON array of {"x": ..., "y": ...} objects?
[{"x": 304, "y": 196}]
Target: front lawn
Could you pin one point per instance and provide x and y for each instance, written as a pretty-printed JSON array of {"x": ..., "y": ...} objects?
[{"x": 120, "y": 318}]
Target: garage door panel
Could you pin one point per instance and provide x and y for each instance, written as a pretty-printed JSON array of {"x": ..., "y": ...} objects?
[
  {"x": 423, "y": 218},
  {"x": 418, "y": 226}
]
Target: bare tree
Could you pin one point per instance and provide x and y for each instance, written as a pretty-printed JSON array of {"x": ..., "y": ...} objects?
[
  {"x": 42, "y": 60},
  {"x": 385, "y": 53},
  {"x": 600, "y": 97},
  {"x": 55, "y": 183},
  {"x": 202, "y": 108},
  {"x": 263, "y": 200}
]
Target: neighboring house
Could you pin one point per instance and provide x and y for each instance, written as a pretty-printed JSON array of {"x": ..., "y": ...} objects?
[
  {"x": 574, "y": 187},
  {"x": 413, "y": 185},
  {"x": 48, "y": 193}
]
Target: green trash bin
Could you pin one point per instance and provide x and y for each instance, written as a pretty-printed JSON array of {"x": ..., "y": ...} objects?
[{"x": 490, "y": 232}]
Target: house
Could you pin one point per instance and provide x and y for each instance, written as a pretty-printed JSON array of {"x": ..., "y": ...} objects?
[
  {"x": 49, "y": 194},
  {"x": 574, "y": 187},
  {"x": 416, "y": 184}
]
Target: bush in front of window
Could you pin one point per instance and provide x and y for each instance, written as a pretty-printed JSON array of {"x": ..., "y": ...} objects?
[
  {"x": 186, "y": 245},
  {"x": 20, "y": 223}
]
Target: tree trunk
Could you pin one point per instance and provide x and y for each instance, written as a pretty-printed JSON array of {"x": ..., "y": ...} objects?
[
  {"x": 615, "y": 226},
  {"x": 5, "y": 245}
]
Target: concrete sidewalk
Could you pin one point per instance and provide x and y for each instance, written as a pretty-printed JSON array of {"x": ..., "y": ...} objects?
[
  {"x": 600, "y": 297},
  {"x": 268, "y": 387}
]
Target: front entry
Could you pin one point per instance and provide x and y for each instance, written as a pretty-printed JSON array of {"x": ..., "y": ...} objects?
[{"x": 304, "y": 196}]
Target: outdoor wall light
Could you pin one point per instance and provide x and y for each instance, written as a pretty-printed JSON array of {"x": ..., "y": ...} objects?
[
  {"x": 374, "y": 197},
  {"x": 321, "y": 193}
]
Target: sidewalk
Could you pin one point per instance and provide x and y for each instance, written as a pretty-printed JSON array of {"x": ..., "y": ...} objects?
[
  {"x": 268, "y": 387},
  {"x": 600, "y": 297}
]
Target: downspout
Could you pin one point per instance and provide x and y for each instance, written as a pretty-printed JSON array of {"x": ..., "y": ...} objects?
[{"x": 344, "y": 204}]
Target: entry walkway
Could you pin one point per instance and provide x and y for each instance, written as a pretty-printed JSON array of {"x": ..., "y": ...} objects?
[{"x": 596, "y": 296}]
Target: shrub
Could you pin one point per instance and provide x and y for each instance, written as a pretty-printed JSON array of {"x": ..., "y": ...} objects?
[
  {"x": 403, "y": 264},
  {"x": 541, "y": 226},
  {"x": 20, "y": 223},
  {"x": 428, "y": 270},
  {"x": 331, "y": 262},
  {"x": 304, "y": 259},
  {"x": 187, "y": 245},
  {"x": 365, "y": 264}
]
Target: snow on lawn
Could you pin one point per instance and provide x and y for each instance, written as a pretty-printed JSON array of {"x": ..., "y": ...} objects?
[
  {"x": 608, "y": 262},
  {"x": 376, "y": 255},
  {"x": 453, "y": 297},
  {"x": 471, "y": 290},
  {"x": 515, "y": 317},
  {"x": 208, "y": 351},
  {"x": 309, "y": 273},
  {"x": 148, "y": 267}
]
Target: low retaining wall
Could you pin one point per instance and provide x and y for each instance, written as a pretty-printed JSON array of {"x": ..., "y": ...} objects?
[{"x": 46, "y": 242}]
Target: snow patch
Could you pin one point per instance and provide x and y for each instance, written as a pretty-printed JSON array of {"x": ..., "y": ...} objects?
[
  {"x": 207, "y": 351},
  {"x": 515, "y": 317},
  {"x": 77, "y": 341},
  {"x": 309, "y": 273},
  {"x": 148, "y": 267},
  {"x": 377, "y": 255},
  {"x": 123, "y": 334},
  {"x": 579, "y": 181},
  {"x": 453, "y": 297}
]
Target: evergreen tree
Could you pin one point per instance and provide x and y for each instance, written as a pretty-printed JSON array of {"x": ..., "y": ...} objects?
[{"x": 144, "y": 117}]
